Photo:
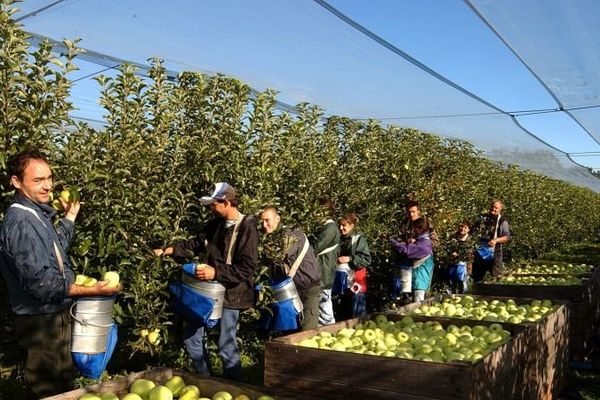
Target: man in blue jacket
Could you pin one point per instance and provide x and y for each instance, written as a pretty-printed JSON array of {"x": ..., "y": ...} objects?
[{"x": 39, "y": 279}]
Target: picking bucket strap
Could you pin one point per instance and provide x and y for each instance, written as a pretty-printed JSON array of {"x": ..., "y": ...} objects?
[
  {"x": 59, "y": 258},
  {"x": 298, "y": 260}
]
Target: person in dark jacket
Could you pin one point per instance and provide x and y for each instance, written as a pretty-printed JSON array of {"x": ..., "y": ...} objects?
[
  {"x": 306, "y": 276},
  {"x": 230, "y": 242},
  {"x": 38, "y": 275},
  {"x": 326, "y": 241},
  {"x": 354, "y": 251}
]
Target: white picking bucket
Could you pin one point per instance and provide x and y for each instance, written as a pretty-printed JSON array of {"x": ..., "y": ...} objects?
[
  {"x": 92, "y": 320},
  {"x": 285, "y": 290},
  {"x": 211, "y": 289},
  {"x": 345, "y": 268},
  {"x": 405, "y": 276}
]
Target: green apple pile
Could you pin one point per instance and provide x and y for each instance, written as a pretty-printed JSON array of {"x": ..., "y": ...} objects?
[
  {"x": 554, "y": 269},
  {"x": 174, "y": 388},
  {"x": 538, "y": 280},
  {"x": 424, "y": 341},
  {"x": 487, "y": 310}
]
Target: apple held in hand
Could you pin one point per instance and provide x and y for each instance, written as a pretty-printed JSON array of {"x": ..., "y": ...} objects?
[
  {"x": 70, "y": 195},
  {"x": 90, "y": 282},
  {"x": 112, "y": 277},
  {"x": 80, "y": 279}
]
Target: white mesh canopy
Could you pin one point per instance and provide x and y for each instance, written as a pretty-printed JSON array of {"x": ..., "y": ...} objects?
[{"x": 405, "y": 63}]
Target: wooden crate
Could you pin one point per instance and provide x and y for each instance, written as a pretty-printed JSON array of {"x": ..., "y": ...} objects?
[
  {"x": 547, "y": 340},
  {"x": 584, "y": 303},
  {"x": 341, "y": 375},
  {"x": 208, "y": 385}
]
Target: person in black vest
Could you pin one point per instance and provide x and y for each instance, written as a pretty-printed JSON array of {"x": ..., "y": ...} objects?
[{"x": 493, "y": 232}]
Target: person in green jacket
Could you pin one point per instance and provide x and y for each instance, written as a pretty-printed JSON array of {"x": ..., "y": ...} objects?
[
  {"x": 325, "y": 242},
  {"x": 354, "y": 252}
]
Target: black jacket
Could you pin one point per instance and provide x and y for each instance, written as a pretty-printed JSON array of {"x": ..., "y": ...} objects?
[{"x": 237, "y": 277}]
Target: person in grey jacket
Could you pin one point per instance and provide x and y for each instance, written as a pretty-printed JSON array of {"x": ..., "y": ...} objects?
[
  {"x": 38, "y": 276},
  {"x": 307, "y": 276}
]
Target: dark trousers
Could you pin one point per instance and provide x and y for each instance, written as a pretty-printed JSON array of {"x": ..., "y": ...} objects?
[
  {"x": 310, "y": 303},
  {"x": 481, "y": 266},
  {"x": 49, "y": 368}
]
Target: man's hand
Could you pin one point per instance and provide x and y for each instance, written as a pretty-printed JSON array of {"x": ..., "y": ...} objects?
[
  {"x": 163, "y": 252},
  {"x": 205, "y": 272},
  {"x": 101, "y": 288},
  {"x": 71, "y": 209},
  {"x": 492, "y": 243},
  {"x": 105, "y": 290}
]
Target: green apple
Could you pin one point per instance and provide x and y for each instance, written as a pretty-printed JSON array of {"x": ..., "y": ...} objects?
[
  {"x": 112, "y": 277},
  {"x": 90, "y": 396},
  {"x": 175, "y": 384},
  {"x": 90, "y": 282},
  {"x": 141, "y": 387},
  {"x": 191, "y": 388},
  {"x": 189, "y": 395},
  {"x": 80, "y": 279},
  {"x": 223, "y": 395},
  {"x": 309, "y": 342},
  {"x": 242, "y": 397},
  {"x": 132, "y": 396},
  {"x": 160, "y": 393},
  {"x": 265, "y": 397},
  {"x": 109, "y": 396},
  {"x": 154, "y": 336}
]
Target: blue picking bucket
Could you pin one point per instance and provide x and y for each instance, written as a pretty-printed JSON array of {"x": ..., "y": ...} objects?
[
  {"x": 285, "y": 290},
  {"x": 211, "y": 289}
]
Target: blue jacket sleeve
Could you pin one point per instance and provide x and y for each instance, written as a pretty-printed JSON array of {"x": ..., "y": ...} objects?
[
  {"x": 65, "y": 231},
  {"x": 34, "y": 266}
]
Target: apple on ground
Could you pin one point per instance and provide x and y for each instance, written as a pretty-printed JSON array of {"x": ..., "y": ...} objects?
[{"x": 109, "y": 396}]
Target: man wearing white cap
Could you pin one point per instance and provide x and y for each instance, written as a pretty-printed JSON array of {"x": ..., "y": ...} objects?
[{"x": 230, "y": 242}]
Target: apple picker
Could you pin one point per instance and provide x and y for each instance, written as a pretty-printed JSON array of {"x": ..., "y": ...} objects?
[{"x": 38, "y": 276}]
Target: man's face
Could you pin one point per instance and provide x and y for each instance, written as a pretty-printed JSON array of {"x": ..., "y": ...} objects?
[
  {"x": 219, "y": 209},
  {"x": 270, "y": 221},
  {"x": 413, "y": 213},
  {"x": 495, "y": 208},
  {"x": 37, "y": 181},
  {"x": 463, "y": 229}
]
